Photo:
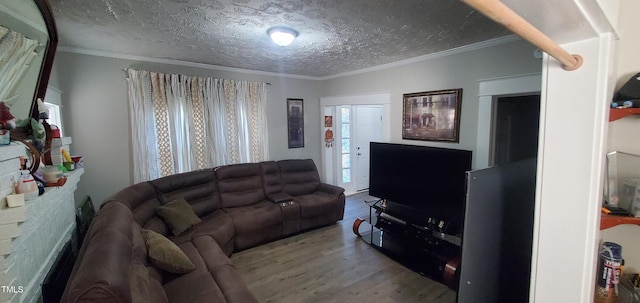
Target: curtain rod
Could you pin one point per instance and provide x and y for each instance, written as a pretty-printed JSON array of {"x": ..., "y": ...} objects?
[
  {"x": 503, "y": 15},
  {"x": 127, "y": 69}
]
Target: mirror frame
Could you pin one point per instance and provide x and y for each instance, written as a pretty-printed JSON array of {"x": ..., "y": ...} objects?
[
  {"x": 50, "y": 51},
  {"x": 20, "y": 133}
]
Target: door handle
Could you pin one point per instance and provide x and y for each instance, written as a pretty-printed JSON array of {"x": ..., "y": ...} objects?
[{"x": 359, "y": 154}]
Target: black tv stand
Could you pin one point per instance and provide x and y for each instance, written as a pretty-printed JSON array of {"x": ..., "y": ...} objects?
[{"x": 413, "y": 239}]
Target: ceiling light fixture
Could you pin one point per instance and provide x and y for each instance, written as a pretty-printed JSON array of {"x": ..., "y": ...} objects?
[{"x": 282, "y": 36}]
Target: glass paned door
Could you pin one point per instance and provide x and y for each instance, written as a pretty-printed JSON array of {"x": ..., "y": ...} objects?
[{"x": 345, "y": 150}]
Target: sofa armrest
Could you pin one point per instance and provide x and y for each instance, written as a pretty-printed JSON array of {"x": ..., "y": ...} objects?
[
  {"x": 279, "y": 197},
  {"x": 330, "y": 189}
]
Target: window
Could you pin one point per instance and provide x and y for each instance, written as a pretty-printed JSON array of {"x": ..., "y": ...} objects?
[
  {"x": 345, "y": 121},
  {"x": 55, "y": 117},
  {"x": 191, "y": 123}
]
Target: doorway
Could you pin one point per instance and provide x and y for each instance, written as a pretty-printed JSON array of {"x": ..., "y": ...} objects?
[
  {"x": 515, "y": 128},
  {"x": 358, "y": 126},
  {"x": 356, "y": 121},
  {"x": 488, "y": 91}
]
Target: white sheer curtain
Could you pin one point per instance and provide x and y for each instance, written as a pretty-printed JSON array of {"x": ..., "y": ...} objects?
[
  {"x": 184, "y": 123},
  {"x": 16, "y": 54}
]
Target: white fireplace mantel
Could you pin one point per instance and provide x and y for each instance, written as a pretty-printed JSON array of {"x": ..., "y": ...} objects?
[{"x": 31, "y": 236}]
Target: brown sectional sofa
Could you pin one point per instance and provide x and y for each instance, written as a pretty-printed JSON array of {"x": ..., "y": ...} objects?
[{"x": 240, "y": 206}]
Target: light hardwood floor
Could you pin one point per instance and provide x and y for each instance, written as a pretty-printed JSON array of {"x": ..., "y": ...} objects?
[{"x": 331, "y": 264}]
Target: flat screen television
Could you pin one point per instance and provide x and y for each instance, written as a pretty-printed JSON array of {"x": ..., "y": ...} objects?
[{"x": 429, "y": 180}]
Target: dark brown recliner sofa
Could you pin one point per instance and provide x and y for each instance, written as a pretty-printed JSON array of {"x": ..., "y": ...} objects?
[{"x": 240, "y": 206}]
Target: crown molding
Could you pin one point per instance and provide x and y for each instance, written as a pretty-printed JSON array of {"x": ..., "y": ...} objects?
[
  {"x": 449, "y": 52},
  {"x": 82, "y": 51}
]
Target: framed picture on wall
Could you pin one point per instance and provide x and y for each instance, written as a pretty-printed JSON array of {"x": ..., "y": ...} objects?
[
  {"x": 295, "y": 123},
  {"x": 328, "y": 121},
  {"x": 432, "y": 115}
]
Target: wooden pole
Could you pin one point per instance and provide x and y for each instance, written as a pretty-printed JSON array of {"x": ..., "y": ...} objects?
[{"x": 501, "y": 14}]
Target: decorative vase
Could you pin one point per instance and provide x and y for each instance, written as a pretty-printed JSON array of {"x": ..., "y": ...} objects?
[{"x": 27, "y": 185}]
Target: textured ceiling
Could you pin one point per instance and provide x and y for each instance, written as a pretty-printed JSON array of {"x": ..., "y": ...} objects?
[{"x": 335, "y": 36}]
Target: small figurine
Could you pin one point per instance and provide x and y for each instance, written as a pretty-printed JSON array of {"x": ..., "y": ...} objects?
[
  {"x": 43, "y": 111},
  {"x": 6, "y": 117}
]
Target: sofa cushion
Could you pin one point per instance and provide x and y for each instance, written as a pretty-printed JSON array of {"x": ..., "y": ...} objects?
[
  {"x": 239, "y": 184},
  {"x": 195, "y": 287},
  {"x": 256, "y": 223},
  {"x": 253, "y": 217},
  {"x": 232, "y": 285},
  {"x": 218, "y": 225},
  {"x": 223, "y": 284},
  {"x": 197, "y": 187},
  {"x": 144, "y": 288},
  {"x": 299, "y": 177},
  {"x": 112, "y": 215},
  {"x": 210, "y": 252},
  {"x": 156, "y": 291},
  {"x": 138, "y": 243},
  {"x": 103, "y": 270},
  {"x": 141, "y": 198},
  {"x": 158, "y": 225},
  {"x": 316, "y": 204},
  {"x": 205, "y": 254},
  {"x": 179, "y": 215},
  {"x": 139, "y": 283},
  {"x": 165, "y": 254},
  {"x": 272, "y": 181},
  {"x": 140, "y": 253}
]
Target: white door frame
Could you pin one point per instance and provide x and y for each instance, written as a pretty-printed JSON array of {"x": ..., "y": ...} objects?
[
  {"x": 488, "y": 89},
  {"x": 328, "y": 104}
]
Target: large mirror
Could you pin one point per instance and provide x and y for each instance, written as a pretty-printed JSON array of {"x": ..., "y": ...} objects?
[{"x": 28, "y": 41}]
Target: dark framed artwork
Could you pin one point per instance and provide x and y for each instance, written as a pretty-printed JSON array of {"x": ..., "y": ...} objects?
[
  {"x": 295, "y": 123},
  {"x": 432, "y": 115}
]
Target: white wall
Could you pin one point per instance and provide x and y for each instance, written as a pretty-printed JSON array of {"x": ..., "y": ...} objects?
[
  {"x": 461, "y": 70},
  {"x": 96, "y": 115}
]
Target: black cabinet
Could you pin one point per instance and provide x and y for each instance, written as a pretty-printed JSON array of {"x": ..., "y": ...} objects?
[
  {"x": 410, "y": 237},
  {"x": 490, "y": 260}
]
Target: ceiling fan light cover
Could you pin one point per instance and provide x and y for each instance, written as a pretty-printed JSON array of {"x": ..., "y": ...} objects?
[{"x": 282, "y": 36}]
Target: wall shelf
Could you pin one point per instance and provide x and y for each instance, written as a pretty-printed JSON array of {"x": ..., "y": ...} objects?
[
  {"x": 608, "y": 221},
  {"x": 618, "y": 113}
]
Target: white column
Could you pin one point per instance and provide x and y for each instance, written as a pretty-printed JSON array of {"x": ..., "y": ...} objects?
[{"x": 570, "y": 168}]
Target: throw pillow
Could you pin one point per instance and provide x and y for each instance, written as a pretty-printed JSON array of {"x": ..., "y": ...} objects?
[
  {"x": 166, "y": 254},
  {"x": 179, "y": 215}
]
